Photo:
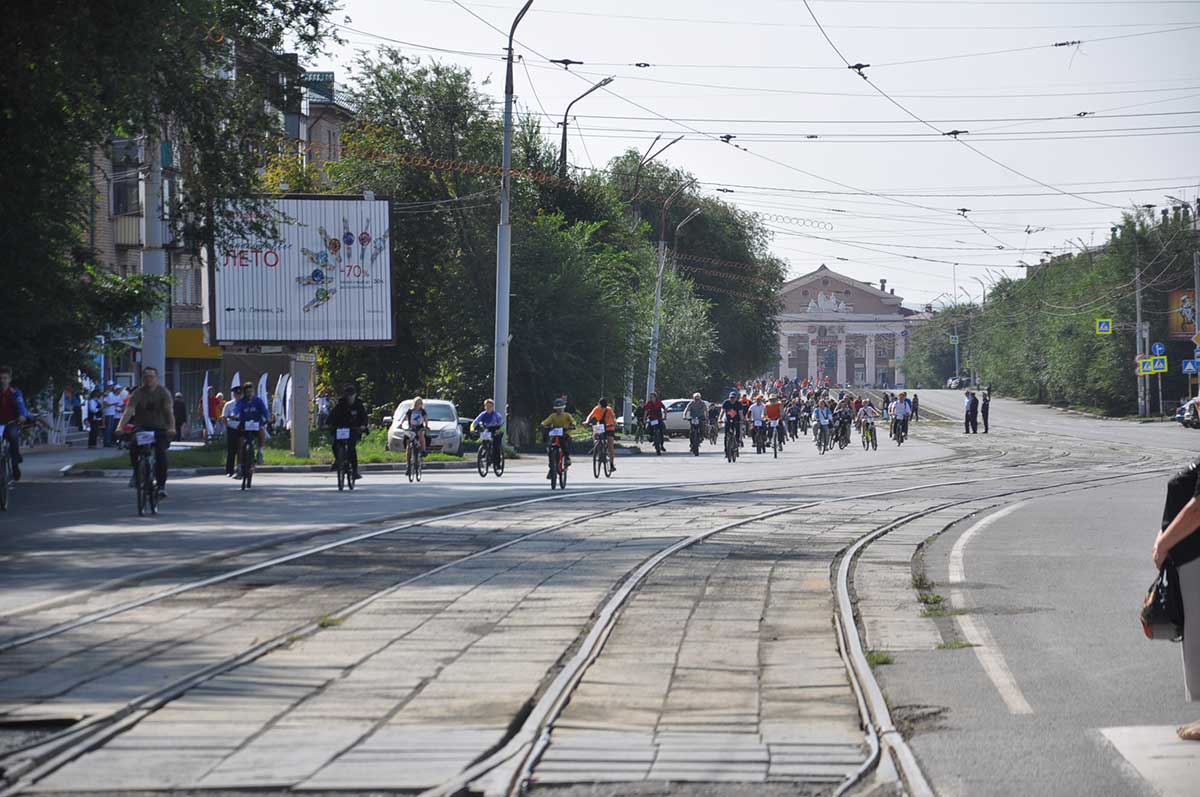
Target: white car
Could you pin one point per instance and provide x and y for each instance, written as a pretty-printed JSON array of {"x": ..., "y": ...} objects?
[
  {"x": 676, "y": 424},
  {"x": 442, "y": 432}
]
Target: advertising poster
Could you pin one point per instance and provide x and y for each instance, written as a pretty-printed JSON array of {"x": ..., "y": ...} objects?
[{"x": 1181, "y": 317}]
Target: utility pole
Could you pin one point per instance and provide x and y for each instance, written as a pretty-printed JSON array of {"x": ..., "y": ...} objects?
[
  {"x": 637, "y": 220},
  {"x": 1139, "y": 333},
  {"x": 504, "y": 235},
  {"x": 562, "y": 151},
  {"x": 1195, "y": 299},
  {"x": 154, "y": 257},
  {"x": 652, "y": 363}
]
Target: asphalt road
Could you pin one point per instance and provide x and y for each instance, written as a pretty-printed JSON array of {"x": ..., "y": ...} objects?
[
  {"x": 1058, "y": 582},
  {"x": 61, "y": 535}
]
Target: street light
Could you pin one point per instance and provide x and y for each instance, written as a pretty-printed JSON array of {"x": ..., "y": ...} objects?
[
  {"x": 652, "y": 364},
  {"x": 983, "y": 286},
  {"x": 562, "y": 153},
  {"x": 678, "y": 228},
  {"x": 504, "y": 235}
]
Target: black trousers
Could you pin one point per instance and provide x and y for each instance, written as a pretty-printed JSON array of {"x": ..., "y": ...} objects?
[
  {"x": 233, "y": 439},
  {"x": 985, "y": 421},
  {"x": 162, "y": 442},
  {"x": 12, "y": 433},
  {"x": 971, "y": 423}
]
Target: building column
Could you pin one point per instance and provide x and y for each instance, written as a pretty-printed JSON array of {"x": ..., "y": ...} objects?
[
  {"x": 841, "y": 359},
  {"x": 812, "y": 360},
  {"x": 871, "y": 358},
  {"x": 901, "y": 344}
]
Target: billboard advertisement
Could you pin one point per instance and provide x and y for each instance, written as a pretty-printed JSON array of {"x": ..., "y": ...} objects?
[
  {"x": 1181, "y": 316},
  {"x": 326, "y": 278}
]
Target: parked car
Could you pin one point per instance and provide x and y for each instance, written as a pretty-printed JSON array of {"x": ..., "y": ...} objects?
[
  {"x": 676, "y": 424},
  {"x": 442, "y": 433},
  {"x": 1187, "y": 415},
  {"x": 953, "y": 383}
]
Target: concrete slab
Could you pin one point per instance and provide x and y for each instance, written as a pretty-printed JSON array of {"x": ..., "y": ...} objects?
[{"x": 1169, "y": 764}]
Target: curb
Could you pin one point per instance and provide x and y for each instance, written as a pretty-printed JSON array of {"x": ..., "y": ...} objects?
[{"x": 70, "y": 471}]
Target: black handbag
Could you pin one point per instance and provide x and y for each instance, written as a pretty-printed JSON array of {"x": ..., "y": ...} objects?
[{"x": 1162, "y": 610}]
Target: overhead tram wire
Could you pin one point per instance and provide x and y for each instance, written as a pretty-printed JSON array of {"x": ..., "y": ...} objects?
[{"x": 860, "y": 69}]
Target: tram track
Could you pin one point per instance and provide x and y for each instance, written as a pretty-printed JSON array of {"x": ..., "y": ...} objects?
[{"x": 35, "y": 761}]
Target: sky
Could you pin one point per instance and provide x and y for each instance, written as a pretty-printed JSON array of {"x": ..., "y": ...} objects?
[{"x": 926, "y": 211}]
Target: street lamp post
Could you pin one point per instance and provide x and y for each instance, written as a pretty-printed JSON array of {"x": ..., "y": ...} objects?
[
  {"x": 652, "y": 363},
  {"x": 562, "y": 152},
  {"x": 678, "y": 229},
  {"x": 504, "y": 235}
]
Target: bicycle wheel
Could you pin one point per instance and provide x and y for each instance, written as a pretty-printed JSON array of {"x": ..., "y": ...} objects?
[
  {"x": 408, "y": 461},
  {"x": 498, "y": 463},
  {"x": 139, "y": 481},
  {"x": 562, "y": 470},
  {"x": 552, "y": 463},
  {"x": 339, "y": 465},
  {"x": 608, "y": 465},
  {"x": 418, "y": 465},
  {"x": 152, "y": 484},
  {"x": 597, "y": 458},
  {"x": 481, "y": 459},
  {"x": 247, "y": 463},
  {"x": 4, "y": 481},
  {"x": 874, "y": 440},
  {"x": 866, "y": 439}
]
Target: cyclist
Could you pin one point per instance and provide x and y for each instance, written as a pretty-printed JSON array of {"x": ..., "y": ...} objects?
[
  {"x": 13, "y": 413},
  {"x": 252, "y": 408},
  {"x": 490, "y": 420},
  {"x": 732, "y": 410},
  {"x": 150, "y": 408},
  {"x": 639, "y": 415},
  {"x": 774, "y": 413},
  {"x": 822, "y": 420},
  {"x": 866, "y": 415},
  {"x": 416, "y": 419},
  {"x": 696, "y": 408},
  {"x": 714, "y": 419},
  {"x": 655, "y": 411},
  {"x": 900, "y": 410},
  {"x": 602, "y": 413},
  {"x": 349, "y": 413},
  {"x": 757, "y": 414},
  {"x": 561, "y": 419}
]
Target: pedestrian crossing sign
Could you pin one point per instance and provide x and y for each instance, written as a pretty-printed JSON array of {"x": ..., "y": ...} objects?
[
  {"x": 954, "y": 340},
  {"x": 1189, "y": 366},
  {"x": 1158, "y": 365},
  {"x": 1103, "y": 326}
]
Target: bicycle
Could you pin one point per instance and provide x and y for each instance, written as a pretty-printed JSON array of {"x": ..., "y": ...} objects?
[
  {"x": 412, "y": 457},
  {"x": 696, "y": 435},
  {"x": 775, "y": 444},
  {"x": 900, "y": 430},
  {"x": 601, "y": 462},
  {"x": 712, "y": 431},
  {"x": 843, "y": 435},
  {"x": 248, "y": 452},
  {"x": 731, "y": 442},
  {"x": 341, "y": 459},
  {"x": 869, "y": 440},
  {"x": 656, "y": 434},
  {"x": 760, "y": 443},
  {"x": 489, "y": 455},
  {"x": 823, "y": 443},
  {"x": 144, "y": 483},
  {"x": 792, "y": 425},
  {"x": 6, "y": 470},
  {"x": 639, "y": 431},
  {"x": 557, "y": 457},
  {"x": 803, "y": 423}
]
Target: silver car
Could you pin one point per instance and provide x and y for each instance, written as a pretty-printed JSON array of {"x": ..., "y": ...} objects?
[{"x": 442, "y": 432}]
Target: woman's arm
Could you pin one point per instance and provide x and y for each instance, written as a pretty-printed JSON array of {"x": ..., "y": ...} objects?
[{"x": 1184, "y": 524}]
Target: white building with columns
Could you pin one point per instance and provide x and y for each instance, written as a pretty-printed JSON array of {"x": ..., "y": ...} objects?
[{"x": 831, "y": 325}]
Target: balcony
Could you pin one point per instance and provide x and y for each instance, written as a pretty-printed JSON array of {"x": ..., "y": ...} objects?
[{"x": 127, "y": 231}]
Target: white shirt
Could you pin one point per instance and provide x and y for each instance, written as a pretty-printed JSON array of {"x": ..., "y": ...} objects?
[
  {"x": 868, "y": 412},
  {"x": 758, "y": 412},
  {"x": 900, "y": 408},
  {"x": 229, "y": 413},
  {"x": 112, "y": 403}
]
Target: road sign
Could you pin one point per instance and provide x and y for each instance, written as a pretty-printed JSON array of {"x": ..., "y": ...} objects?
[
  {"x": 1158, "y": 365},
  {"x": 1143, "y": 366},
  {"x": 1189, "y": 367},
  {"x": 954, "y": 340},
  {"x": 1104, "y": 327},
  {"x": 1158, "y": 349}
]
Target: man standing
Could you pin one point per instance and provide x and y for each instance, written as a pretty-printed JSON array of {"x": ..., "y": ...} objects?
[
  {"x": 229, "y": 414},
  {"x": 113, "y": 404},
  {"x": 94, "y": 416},
  {"x": 987, "y": 402},
  {"x": 180, "y": 409},
  {"x": 916, "y": 407},
  {"x": 13, "y": 413},
  {"x": 150, "y": 409},
  {"x": 971, "y": 418}
]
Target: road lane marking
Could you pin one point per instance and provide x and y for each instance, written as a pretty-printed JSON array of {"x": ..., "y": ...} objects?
[{"x": 974, "y": 630}]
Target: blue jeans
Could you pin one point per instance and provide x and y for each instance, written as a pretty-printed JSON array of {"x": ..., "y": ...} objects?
[{"x": 110, "y": 428}]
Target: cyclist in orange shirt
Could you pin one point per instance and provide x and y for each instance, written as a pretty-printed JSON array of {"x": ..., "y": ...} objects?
[
  {"x": 775, "y": 417},
  {"x": 602, "y": 413}
]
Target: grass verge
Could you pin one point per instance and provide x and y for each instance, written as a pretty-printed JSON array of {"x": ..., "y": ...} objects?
[
  {"x": 877, "y": 658},
  {"x": 957, "y": 644}
]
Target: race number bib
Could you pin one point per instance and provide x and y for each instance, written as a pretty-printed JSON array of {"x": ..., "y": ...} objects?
[
  {"x": 654, "y": 423},
  {"x": 485, "y": 435},
  {"x": 556, "y": 431},
  {"x": 145, "y": 438},
  {"x": 233, "y": 423},
  {"x": 599, "y": 428},
  {"x": 250, "y": 426},
  {"x": 695, "y": 421},
  {"x": 342, "y": 434},
  {"x": 758, "y": 423},
  {"x": 774, "y": 424}
]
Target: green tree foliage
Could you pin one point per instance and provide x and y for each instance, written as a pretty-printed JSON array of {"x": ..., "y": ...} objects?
[
  {"x": 76, "y": 74},
  {"x": 1035, "y": 339}
]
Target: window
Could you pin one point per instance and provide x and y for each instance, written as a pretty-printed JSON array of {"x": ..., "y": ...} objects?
[{"x": 126, "y": 194}]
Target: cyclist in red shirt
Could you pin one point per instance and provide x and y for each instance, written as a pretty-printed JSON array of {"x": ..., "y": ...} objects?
[{"x": 655, "y": 411}]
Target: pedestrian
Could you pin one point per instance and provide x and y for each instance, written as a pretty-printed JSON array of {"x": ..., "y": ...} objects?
[
  {"x": 916, "y": 407},
  {"x": 13, "y": 413},
  {"x": 216, "y": 406},
  {"x": 984, "y": 408},
  {"x": 1177, "y": 546},
  {"x": 180, "y": 408},
  {"x": 229, "y": 416},
  {"x": 95, "y": 417},
  {"x": 970, "y": 413},
  {"x": 324, "y": 405},
  {"x": 112, "y": 405}
]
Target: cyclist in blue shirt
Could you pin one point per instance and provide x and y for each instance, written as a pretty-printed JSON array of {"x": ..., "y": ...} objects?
[
  {"x": 252, "y": 408},
  {"x": 490, "y": 420}
]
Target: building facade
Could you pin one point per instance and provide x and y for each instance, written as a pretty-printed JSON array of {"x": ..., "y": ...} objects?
[{"x": 834, "y": 327}]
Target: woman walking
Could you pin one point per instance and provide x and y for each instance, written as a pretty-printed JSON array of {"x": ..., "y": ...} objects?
[{"x": 1178, "y": 544}]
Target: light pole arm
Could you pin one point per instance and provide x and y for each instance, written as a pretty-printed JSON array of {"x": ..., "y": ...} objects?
[{"x": 562, "y": 152}]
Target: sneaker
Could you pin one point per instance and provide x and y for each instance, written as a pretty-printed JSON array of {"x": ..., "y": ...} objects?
[{"x": 161, "y": 493}]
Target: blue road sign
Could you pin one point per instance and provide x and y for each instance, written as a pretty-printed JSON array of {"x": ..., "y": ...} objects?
[
  {"x": 1158, "y": 364},
  {"x": 1103, "y": 326},
  {"x": 1189, "y": 367},
  {"x": 1158, "y": 349}
]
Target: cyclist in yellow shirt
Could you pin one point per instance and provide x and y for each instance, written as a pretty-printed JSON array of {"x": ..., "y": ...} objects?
[{"x": 561, "y": 419}]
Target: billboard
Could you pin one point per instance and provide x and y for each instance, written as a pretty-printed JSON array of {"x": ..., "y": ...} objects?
[
  {"x": 327, "y": 277},
  {"x": 1181, "y": 316}
]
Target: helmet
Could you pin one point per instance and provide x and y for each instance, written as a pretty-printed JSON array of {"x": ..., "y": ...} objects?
[
  {"x": 560, "y": 404},
  {"x": 733, "y": 394}
]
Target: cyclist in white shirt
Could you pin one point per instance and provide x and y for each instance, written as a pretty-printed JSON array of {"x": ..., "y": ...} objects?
[
  {"x": 900, "y": 411},
  {"x": 758, "y": 411},
  {"x": 867, "y": 412}
]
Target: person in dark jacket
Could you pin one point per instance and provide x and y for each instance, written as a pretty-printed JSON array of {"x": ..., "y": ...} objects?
[
  {"x": 349, "y": 413},
  {"x": 984, "y": 408},
  {"x": 916, "y": 413},
  {"x": 1178, "y": 546},
  {"x": 180, "y": 415},
  {"x": 971, "y": 414}
]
